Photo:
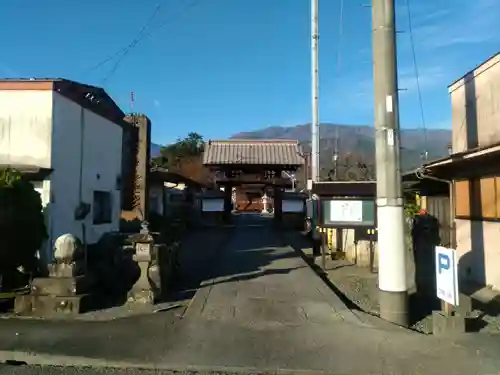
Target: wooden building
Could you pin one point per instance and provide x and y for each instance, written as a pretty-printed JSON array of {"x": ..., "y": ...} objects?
[
  {"x": 473, "y": 170},
  {"x": 253, "y": 167}
]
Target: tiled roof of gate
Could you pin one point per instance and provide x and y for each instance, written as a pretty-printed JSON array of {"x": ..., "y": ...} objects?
[{"x": 247, "y": 151}]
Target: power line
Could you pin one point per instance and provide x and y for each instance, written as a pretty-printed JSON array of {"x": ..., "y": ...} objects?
[
  {"x": 131, "y": 45},
  {"x": 341, "y": 32},
  {"x": 141, "y": 37},
  {"x": 417, "y": 76}
]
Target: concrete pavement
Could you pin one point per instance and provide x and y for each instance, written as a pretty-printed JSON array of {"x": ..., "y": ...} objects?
[{"x": 260, "y": 307}]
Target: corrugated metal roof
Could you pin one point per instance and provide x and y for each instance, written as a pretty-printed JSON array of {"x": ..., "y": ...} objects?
[{"x": 264, "y": 152}]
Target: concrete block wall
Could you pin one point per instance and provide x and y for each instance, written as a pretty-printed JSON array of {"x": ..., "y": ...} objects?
[{"x": 360, "y": 253}]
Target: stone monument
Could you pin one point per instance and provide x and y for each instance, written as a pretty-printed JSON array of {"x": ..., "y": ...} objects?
[{"x": 65, "y": 290}]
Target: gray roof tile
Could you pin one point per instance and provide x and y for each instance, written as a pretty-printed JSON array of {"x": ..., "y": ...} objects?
[{"x": 266, "y": 152}]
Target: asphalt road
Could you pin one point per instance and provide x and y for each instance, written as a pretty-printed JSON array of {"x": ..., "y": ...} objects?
[
  {"x": 52, "y": 370},
  {"x": 258, "y": 306}
]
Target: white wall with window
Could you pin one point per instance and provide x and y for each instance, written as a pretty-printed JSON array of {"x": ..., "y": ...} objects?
[
  {"x": 86, "y": 163},
  {"x": 84, "y": 151}
]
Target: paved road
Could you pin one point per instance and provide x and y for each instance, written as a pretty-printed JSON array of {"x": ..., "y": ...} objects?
[
  {"x": 52, "y": 370},
  {"x": 259, "y": 306}
]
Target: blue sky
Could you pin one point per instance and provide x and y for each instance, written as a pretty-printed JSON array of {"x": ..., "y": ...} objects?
[{"x": 218, "y": 67}]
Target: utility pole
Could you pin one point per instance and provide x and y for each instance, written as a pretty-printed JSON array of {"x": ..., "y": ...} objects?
[
  {"x": 335, "y": 156},
  {"x": 393, "y": 286},
  {"x": 315, "y": 93}
]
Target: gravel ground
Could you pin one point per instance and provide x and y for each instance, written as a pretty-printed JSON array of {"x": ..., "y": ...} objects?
[{"x": 360, "y": 286}]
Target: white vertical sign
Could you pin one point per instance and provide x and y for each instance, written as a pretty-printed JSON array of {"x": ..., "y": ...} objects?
[{"x": 447, "y": 275}]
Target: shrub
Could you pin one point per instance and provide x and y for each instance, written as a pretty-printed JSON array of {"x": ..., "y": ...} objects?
[{"x": 22, "y": 226}]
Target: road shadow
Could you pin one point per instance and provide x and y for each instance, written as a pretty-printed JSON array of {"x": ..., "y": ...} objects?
[
  {"x": 299, "y": 242},
  {"x": 249, "y": 250}
]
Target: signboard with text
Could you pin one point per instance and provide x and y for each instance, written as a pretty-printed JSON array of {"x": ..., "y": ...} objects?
[
  {"x": 340, "y": 212},
  {"x": 447, "y": 275},
  {"x": 346, "y": 211}
]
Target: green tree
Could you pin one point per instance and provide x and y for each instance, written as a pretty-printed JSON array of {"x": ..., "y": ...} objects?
[{"x": 173, "y": 155}]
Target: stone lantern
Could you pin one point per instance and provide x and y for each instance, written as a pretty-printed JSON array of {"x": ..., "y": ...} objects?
[
  {"x": 145, "y": 256},
  {"x": 265, "y": 201}
]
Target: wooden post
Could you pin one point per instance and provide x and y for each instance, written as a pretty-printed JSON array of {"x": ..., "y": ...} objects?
[
  {"x": 323, "y": 251},
  {"x": 448, "y": 308}
]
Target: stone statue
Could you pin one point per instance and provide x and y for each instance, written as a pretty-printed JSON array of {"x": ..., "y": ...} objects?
[{"x": 67, "y": 249}]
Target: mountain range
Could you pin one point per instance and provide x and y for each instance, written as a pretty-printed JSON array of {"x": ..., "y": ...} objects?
[
  {"x": 356, "y": 139},
  {"x": 155, "y": 150}
]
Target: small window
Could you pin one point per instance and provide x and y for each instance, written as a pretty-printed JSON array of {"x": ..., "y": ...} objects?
[{"x": 102, "y": 207}]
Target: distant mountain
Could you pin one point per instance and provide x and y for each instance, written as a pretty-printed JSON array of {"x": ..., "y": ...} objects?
[
  {"x": 155, "y": 150},
  {"x": 360, "y": 140}
]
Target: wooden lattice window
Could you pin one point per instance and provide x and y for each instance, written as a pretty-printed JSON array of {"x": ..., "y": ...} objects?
[
  {"x": 488, "y": 198},
  {"x": 478, "y": 199},
  {"x": 462, "y": 198}
]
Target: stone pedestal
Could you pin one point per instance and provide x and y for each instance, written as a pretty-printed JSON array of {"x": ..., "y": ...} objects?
[{"x": 448, "y": 324}]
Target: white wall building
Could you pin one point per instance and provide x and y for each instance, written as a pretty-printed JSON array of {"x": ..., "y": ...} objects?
[{"x": 75, "y": 130}]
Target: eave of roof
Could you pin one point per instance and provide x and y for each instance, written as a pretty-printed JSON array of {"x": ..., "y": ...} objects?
[
  {"x": 465, "y": 155},
  {"x": 93, "y": 98}
]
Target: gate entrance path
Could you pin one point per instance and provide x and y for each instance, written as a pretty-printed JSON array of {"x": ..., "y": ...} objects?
[
  {"x": 260, "y": 309},
  {"x": 263, "y": 307}
]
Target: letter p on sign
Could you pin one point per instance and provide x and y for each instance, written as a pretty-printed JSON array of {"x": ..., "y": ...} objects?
[{"x": 444, "y": 262}]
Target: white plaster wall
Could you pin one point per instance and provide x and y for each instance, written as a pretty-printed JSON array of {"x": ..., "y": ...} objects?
[
  {"x": 25, "y": 127},
  {"x": 479, "y": 253},
  {"x": 480, "y": 95},
  {"x": 86, "y": 156}
]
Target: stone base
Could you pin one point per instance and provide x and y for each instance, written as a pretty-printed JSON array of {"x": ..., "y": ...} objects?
[
  {"x": 141, "y": 296},
  {"x": 465, "y": 305},
  {"x": 44, "y": 305},
  {"x": 66, "y": 270},
  {"x": 444, "y": 324},
  {"x": 60, "y": 286}
]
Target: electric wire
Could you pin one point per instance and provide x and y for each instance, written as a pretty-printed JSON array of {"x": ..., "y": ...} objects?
[
  {"x": 341, "y": 32},
  {"x": 131, "y": 45},
  {"x": 417, "y": 75},
  {"x": 141, "y": 36}
]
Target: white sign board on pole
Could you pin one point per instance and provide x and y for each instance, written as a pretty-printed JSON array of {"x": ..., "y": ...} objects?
[
  {"x": 309, "y": 184},
  {"x": 346, "y": 211},
  {"x": 212, "y": 205},
  {"x": 447, "y": 275}
]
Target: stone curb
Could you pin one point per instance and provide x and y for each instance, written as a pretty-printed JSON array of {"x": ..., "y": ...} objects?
[{"x": 39, "y": 359}]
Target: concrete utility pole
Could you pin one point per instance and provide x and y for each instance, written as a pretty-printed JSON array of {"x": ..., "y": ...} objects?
[
  {"x": 335, "y": 157},
  {"x": 315, "y": 93},
  {"x": 390, "y": 207}
]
